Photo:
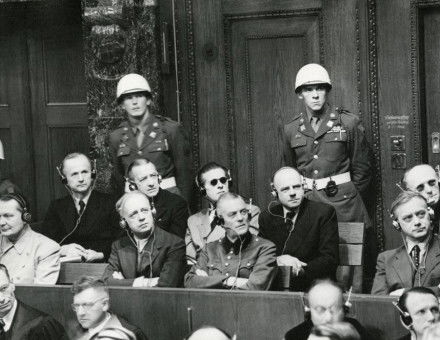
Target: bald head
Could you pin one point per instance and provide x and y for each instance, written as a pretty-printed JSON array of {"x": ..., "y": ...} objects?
[
  {"x": 287, "y": 182},
  {"x": 326, "y": 303},
  {"x": 423, "y": 179},
  {"x": 209, "y": 333}
]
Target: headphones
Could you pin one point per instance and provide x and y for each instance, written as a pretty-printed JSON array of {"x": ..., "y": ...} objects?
[
  {"x": 396, "y": 223},
  {"x": 123, "y": 223},
  {"x": 198, "y": 178},
  {"x": 273, "y": 190},
  {"x": 25, "y": 215},
  {"x": 219, "y": 220},
  {"x": 346, "y": 307},
  {"x": 63, "y": 177},
  {"x": 405, "y": 318}
]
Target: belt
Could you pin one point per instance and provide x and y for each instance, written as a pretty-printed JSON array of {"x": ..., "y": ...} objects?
[
  {"x": 321, "y": 183},
  {"x": 168, "y": 182}
]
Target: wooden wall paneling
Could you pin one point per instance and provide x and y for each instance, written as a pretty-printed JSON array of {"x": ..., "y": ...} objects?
[
  {"x": 395, "y": 97},
  {"x": 209, "y": 65},
  {"x": 266, "y": 52}
]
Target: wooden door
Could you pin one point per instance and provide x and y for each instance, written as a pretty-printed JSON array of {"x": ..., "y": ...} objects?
[
  {"x": 246, "y": 56},
  {"x": 43, "y": 94}
]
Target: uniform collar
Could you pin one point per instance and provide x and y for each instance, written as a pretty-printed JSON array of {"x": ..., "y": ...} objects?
[
  {"x": 228, "y": 245},
  {"x": 20, "y": 244},
  {"x": 8, "y": 318}
]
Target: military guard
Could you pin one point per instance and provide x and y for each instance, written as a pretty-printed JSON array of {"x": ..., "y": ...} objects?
[
  {"x": 145, "y": 135},
  {"x": 329, "y": 148}
]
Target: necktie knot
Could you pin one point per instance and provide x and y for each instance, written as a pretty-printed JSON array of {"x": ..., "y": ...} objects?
[
  {"x": 415, "y": 254},
  {"x": 314, "y": 122},
  {"x": 289, "y": 218}
]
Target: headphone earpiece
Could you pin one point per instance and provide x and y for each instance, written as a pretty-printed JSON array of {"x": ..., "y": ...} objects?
[
  {"x": 60, "y": 173},
  {"x": 405, "y": 318},
  {"x": 159, "y": 178},
  {"x": 273, "y": 191},
  {"x": 93, "y": 172},
  {"x": 396, "y": 225},
  {"x": 307, "y": 313},
  {"x": 25, "y": 215}
]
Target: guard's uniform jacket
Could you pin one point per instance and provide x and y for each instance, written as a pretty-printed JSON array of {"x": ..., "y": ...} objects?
[
  {"x": 221, "y": 259},
  {"x": 338, "y": 147},
  {"x": 165, "y": 144}
]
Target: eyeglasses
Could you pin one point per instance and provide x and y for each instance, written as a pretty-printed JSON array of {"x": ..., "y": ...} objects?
[
  {"x": 222, "y": 180},
  {"x": 86, "y": 306},
  {"x": 332, "y": 309}
]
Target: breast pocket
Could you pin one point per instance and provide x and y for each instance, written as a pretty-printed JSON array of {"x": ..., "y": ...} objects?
[
  {"x": 335, "y": 144},
  {"x": 246, "y": 268},
  {"x": 215, "y": 268},
  {"x": 298, "y": 142},
  {"x": 158, "y": 145}
]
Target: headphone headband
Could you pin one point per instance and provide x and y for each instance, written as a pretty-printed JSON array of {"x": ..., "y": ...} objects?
[{"x": 25, "y": 215}]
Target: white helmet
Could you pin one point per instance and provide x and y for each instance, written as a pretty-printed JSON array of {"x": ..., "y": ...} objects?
[
  {"x": 312, "y": 74},
  {"x": 131, "y": 83}
]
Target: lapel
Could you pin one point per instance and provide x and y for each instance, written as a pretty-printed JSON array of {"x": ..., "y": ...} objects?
[
  {"x": 92, "y": 211},
  {"x": 152, "y": 131},
  {"x": 203, "y": 224},
  {"x": 302, "y": 227},
  {"x": 329, "y": 120},
  {"x": 304, "y": 126},
  {"x": 128, "y": 257},
  {"x": 20, "y": 319},
  {"x": 67, "y": 213},
  {"x": 403, "y": 267},
  {"x": 432, "y": 257},
  {"x": 156, "y": 243}
]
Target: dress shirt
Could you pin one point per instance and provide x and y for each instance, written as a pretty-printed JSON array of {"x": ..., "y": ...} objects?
[
  {"x": 422, "y": 245},
  {"x": 100, "y": 327},
  {"x": 33, "y": 258},
  {"x": 8, "y": 318},
  {"x": 285, "y": 212},
  {"x": 84, "y": 199}
]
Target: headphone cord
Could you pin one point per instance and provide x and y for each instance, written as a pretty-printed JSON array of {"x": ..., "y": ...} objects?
[
  {"x": 292, "y": 227},
  {"x": 132, "y": 239},
  {"x": 411, "y": 260}
]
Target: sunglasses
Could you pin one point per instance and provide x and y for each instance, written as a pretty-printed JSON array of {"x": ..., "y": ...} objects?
[{"x": 222, "y": 180}]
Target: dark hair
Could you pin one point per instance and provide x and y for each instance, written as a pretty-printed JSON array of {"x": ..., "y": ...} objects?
[
  {"x": 208, "y": 167},
  {"x": 337, "y": 331},
  {"x": 86, "y": 282},
  {"x": 137, "y": 162},
  {"x": 402, "y": 198},
  {"x": 71, "y": 156},
  {"x": 416, "y": 290}
]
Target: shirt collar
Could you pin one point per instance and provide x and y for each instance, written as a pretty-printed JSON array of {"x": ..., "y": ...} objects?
[
  {"x": 228, "y": 245},
  {"x": 8, "y": 318},
  {"x": 141, "y": 242},
  {"x": 94, "y": 330},
  {"x": 85, "y": 199},
  {"x": 422, "y": 245},
  {"x": 320, "y": 116},
  {"x": 20, "y": 244}
]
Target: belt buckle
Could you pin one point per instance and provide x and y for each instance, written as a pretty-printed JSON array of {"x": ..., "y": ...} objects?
[{"x": 331, "y": 189}]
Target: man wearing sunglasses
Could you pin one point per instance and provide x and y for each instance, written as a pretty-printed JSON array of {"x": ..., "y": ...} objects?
[
  {"x": 423, "y": 179},
  {"x": 213, "y": 180},
  {"x": 171, "y": 209},
  {"x": 91, "y": 303},
  {"x": 415, "y": 262}
]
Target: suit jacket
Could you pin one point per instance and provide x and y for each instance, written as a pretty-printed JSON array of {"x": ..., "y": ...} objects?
[
  {"x": 199, "y": 232},
  {"x": 31, "y": 324},
  {"x": 303, "y": 330},
  {"x": 314, "y": 239},
  {"x": 97, "y": 229},
  {"x": 79, "y": 333},
  {"x": 167, "y": 260},
  {"x": 171, "y": 212},
  {"x": 394, "y": 270}
]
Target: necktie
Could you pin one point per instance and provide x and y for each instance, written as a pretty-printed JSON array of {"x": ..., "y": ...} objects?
[
  {"x": 2, "y": 326},
  {"x": 139, "y": 137},
  {"x": 415, "y": 254},
  {"x": 314, "y": 122},
  {"x": 289, "y": 219},
  {"x": 82, "y": 205}
]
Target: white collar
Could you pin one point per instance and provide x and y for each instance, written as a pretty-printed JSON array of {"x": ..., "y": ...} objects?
[
  {"x": 85, "y": 199},
  {"x": 422, "y": 245},
  {"x": 8, "y": 318},
  {"x": 94, "y": 330}
]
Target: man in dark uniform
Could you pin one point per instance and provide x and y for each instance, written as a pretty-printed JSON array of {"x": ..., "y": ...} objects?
[
  {"x": 239, "y": 260},
  {"x": 328, "y": 147},
  {"x": 19, "y": 321},
  {"x": 171, "y": 209},
  {"x": 144, "y": 135}
]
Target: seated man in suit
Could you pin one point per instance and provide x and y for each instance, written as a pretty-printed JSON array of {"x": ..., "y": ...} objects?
[
  {"x": 30, "y": 256},
  {"x": 84, "y": 222},
  {"x": 213, "y": 180},
  {"x": 171, "y": 209},
  {"x": 415, "y": 262},
  {"x": 423, "y": 179},
  {"x": 326, "y": 306},
  {"x": 19, "y": 321},
  {"x": 91, "y": 304},
  {"x": 147, "y": 256},
  {"x": 305, "y": 232},
  {"x": 240, "y": 260},
  {"x": 418, "y": 308}
]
